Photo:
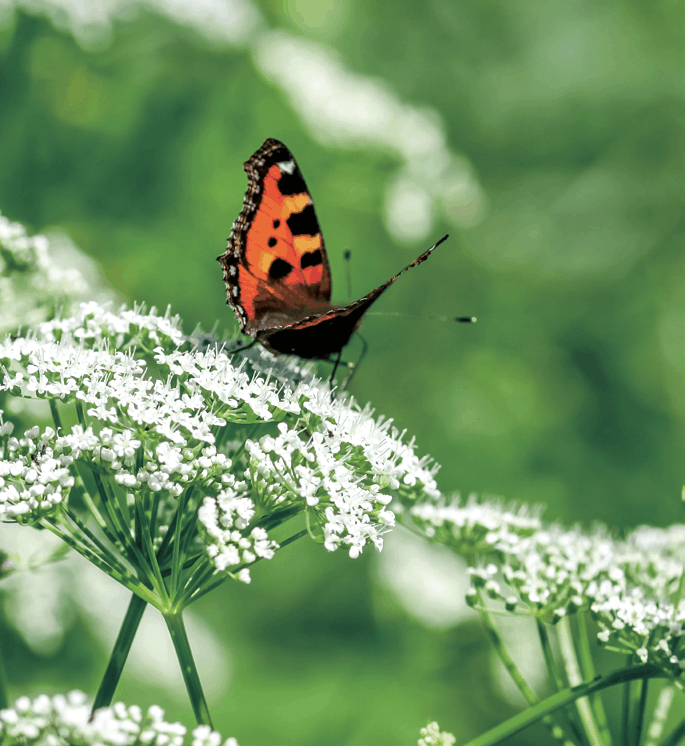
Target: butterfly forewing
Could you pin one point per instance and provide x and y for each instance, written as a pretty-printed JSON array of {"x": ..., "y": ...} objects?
[{"x": 275, "y": 264}]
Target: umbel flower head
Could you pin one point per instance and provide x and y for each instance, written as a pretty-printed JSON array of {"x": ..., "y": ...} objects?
[
  {"x": 633, "y": 587},
  {"x": 66, "y": 721},
  {"x": 186, "y": 458},
  {"x": 32, "y": 284}
]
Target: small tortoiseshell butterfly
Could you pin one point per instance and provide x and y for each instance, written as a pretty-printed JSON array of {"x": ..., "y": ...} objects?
[{"x": 275, "y": 266}]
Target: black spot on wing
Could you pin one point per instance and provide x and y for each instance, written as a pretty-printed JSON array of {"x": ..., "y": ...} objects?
[
  {"x": 303, "y": 223},
  {"x": 276, "y": 223},
  {"x": 311, "y": 259},
  {"x": 290, "y": 184},
  {"x": 272, "y": 242},
  {"x": 279, "y": 269}
]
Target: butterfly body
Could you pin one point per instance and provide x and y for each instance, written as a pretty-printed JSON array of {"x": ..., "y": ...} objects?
[{"x": 276, "y": 270}]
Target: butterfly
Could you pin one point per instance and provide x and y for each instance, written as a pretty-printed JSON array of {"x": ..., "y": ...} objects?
[{"x": 275, "y": 266}]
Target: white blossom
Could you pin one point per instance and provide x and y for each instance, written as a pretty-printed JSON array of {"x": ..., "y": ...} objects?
[
  {"x": 32, "y": 282},
  {"x": 153, "y": 410},
  {"x": 632, "y": 587},
  {"x": 65, "y": 721},
  {"x": 431, "y": 735}
]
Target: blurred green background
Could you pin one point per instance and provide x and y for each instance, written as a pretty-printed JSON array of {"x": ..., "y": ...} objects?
[{"x": 547, "y": 138}]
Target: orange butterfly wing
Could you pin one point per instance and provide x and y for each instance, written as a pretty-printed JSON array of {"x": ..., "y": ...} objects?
[{"x": 275, "y": 266}]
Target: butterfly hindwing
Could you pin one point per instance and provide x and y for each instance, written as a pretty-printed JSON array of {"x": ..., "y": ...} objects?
[
  {"x": 327, "y": 332},
  {"x": 275, "y": 265}
]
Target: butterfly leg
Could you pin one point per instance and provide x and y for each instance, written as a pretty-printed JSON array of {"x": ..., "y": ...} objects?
[
  {"x": 244, "y": 347},
  {"x": 335, "y": 368},
  {"x": 353, "y": 366}
]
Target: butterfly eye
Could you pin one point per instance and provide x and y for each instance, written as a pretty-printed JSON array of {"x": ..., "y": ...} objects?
[{"x": 279, "y": 269}]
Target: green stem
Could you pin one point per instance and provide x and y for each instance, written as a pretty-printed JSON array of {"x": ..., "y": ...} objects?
[
  {"x": 55, "y": 416},
  {"x": 588, "y": 671},
  {"x": 4, "y": 700},
  {"x": 552, "y": 668},
  {"x": 120, "y": 652},
  {"x": 555, "y": 676},
  {"x": 512, "y": 669},
  {"x": 174, "y": 527},
  {"x": 111, "y": 504},
  {"x": 109, "y": 529},
  {"x": 179, "y": 637},
  {"x": 154, "y": 510},
  {"x": 585, "y": 712},
  {"x": 278, "y": 517},
  {"x": 127, "y": 580},
  {"x": 561, "y": 699},
  {"x": 201, "y": 571},
  {"x": 97, "y": 544},
  {"x": 152, "y": 557},
  {"x": 641, "y": 711},
  {"x": 625, "y": 711},
  {"x": 80, "y": 415},
  {"x": 676, "y": 736},
  {"x": 92, "y": 508},
  {"x": 59, "y": 526},
  {"x": 188, "y": 529},
  {"x": 176, "y": 561},
  {"x": 507, "y": 661}
]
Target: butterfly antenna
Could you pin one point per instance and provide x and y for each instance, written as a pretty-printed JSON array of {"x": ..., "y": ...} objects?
[
  {"x": 424, "y": 317},
  {"x": 348, "y": 255}
]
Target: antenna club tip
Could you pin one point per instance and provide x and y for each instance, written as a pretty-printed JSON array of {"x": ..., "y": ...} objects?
[{"x": 466, "y": 319}]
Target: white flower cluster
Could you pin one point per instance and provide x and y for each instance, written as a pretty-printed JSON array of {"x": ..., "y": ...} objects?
[
  {"x": 335, "y": 460},
  {"x": 95, "y": 322},
  {"x": 31, "y": 284},
  {"x": 639, "y": 606},
  {"x": 151, "y": 409},
  {"x": 476, "y": 528},
  {"x": 332, "y": 459},
  {"x": 632, "y": 587},
  {"x": 431, "y": 735},
  {"x": 32, "y": 480},
  {"x": 374, "y": 446},
  {"x": 65, "y": 721},
  {"x": 224, "y": 519}
]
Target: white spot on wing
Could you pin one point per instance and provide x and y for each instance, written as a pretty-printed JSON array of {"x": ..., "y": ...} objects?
[{"x": 287, "y": 166}]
